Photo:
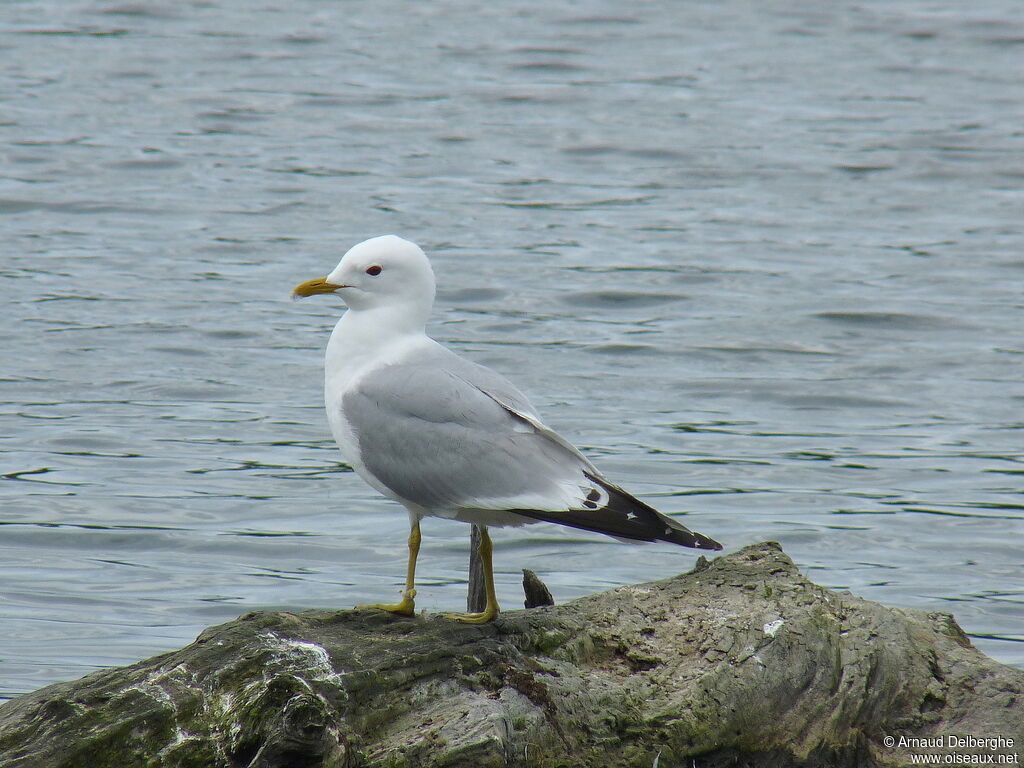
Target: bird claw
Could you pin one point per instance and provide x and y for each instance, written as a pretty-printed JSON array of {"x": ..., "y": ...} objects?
[
  {"x": 474, "y": 618},
  {"x": 404, "y": 608}
]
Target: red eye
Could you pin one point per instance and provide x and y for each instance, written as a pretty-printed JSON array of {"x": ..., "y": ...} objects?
[{"x": 373, "y": 271}]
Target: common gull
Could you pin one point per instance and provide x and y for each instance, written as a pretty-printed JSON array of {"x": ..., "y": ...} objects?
[{"x": 446, "y": 437}]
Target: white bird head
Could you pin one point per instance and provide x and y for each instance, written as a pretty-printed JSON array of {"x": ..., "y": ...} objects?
[{"x": 384, "y": 271}]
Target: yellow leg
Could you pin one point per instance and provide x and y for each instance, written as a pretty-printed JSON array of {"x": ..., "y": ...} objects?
[
  {"x": 406, "y": 607},
  {"x": 491, "y": 609}
]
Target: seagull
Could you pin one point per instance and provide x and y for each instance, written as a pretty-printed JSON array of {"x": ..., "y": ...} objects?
[{"x": 446, "y": 437}]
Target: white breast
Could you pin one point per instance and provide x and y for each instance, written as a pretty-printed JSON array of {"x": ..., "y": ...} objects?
[{"x": 352, "y": 353}]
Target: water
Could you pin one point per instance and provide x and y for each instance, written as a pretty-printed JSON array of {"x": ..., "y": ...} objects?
[{"x": 761, "y": 261}]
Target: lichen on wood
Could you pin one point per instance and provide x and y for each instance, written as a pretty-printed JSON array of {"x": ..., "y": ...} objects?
[{"x": 742, "y": 661}]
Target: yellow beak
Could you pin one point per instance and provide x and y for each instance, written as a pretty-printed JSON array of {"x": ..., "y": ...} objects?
[{"x": 313, "y": 287}]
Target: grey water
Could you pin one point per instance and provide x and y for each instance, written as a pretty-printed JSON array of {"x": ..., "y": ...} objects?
[{"x": 763, "y": 262}]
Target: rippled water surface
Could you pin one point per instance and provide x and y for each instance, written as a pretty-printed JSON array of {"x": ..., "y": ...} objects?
[{"x": 761, "y": 261}]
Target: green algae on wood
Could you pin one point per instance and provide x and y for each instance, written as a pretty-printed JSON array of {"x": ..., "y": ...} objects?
[{"x": 740, "y": 661}]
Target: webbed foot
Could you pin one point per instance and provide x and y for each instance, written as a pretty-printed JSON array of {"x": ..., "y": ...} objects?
[
  {"x": 487, "y": 615},
  {"x": 406, "y": 607}
]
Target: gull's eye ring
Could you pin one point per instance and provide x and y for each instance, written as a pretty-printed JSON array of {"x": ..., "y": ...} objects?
[{"x": 374, "y": 270}]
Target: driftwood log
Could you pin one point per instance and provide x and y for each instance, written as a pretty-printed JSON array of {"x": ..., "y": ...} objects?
[{"x": 741, "y": 662}]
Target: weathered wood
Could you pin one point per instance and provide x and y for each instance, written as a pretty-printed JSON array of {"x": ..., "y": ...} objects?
[
  {"x": 742, "y": 661},
  {"x": 536, "y": 591},
  {"x": 476, "y": 596}
]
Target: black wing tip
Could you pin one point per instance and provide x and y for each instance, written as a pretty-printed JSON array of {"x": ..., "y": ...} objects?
[
  {"x": 675, "y": 532},
  {"x": 703, "y": 542},
  {"x": 684, "y": 537},
  {"x": 625, "y": 517}
]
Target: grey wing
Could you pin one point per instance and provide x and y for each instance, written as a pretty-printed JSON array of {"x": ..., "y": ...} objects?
[
  {"x": 434, "y": 436},
  {"x": 446, "y": 434}
]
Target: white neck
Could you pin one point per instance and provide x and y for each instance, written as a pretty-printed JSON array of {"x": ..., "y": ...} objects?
[{"x": 368, "y": 335}]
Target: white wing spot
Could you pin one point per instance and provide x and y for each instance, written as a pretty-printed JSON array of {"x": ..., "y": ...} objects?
[{"x": 631, "y": 515}]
